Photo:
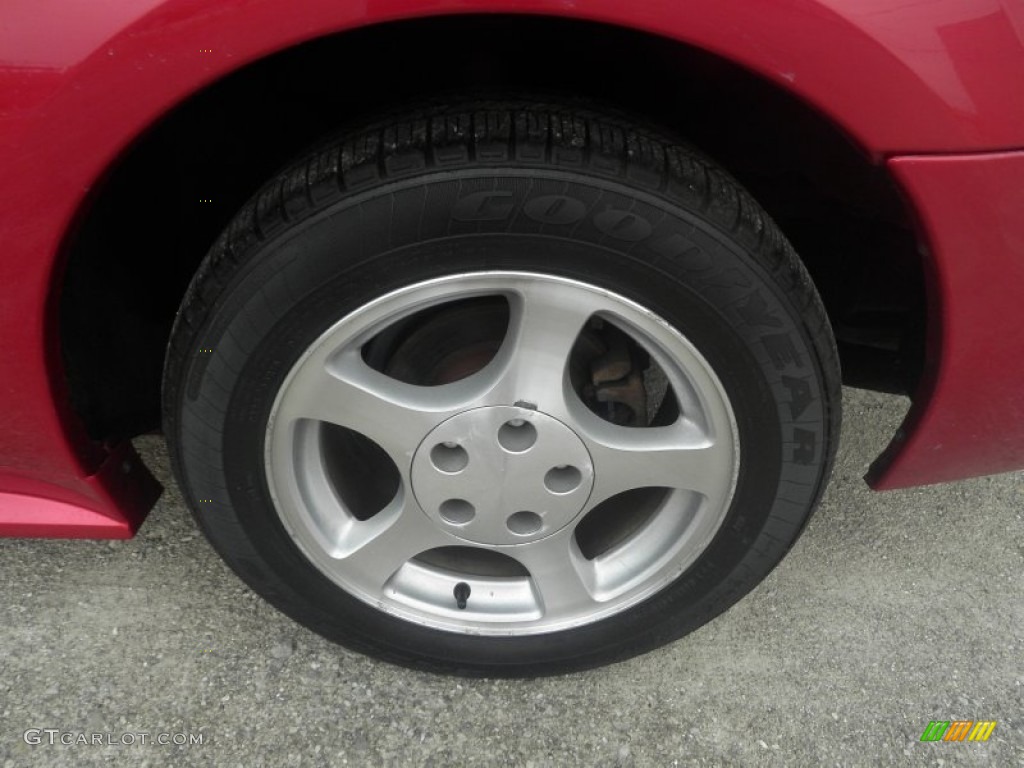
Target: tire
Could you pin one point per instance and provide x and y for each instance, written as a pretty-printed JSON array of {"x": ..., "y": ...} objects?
[{"x": 502, "y": 388}]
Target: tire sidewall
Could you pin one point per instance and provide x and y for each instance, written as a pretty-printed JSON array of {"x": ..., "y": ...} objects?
[{"x": 640, "y": 245}]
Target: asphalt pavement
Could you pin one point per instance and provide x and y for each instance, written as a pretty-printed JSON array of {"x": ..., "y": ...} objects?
[{"x": 893, "y": 610}]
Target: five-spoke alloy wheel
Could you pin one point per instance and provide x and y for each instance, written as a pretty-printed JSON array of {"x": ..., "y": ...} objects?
[{"x": 506, "y": 460}]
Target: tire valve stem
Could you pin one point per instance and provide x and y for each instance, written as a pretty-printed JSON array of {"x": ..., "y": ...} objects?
[{"x": 461, "y": 594}]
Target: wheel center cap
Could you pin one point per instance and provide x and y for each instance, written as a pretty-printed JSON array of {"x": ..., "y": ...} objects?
[{"x": 502, "y": 475}]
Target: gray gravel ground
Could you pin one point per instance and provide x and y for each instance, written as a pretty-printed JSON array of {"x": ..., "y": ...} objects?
[{"x": 893, "y": 610}]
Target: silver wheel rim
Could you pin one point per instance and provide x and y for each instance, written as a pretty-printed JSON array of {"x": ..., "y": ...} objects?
[{"x": 507, "y": 460}]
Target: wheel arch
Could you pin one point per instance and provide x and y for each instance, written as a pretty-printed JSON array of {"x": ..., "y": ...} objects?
[{"x": 209, "y": 168}]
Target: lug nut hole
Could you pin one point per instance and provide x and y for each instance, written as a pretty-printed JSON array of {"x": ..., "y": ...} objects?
[
  {"x": 517, "y": 435},
  {"x": 449, "y": 458},
  {"x": 457, "y": 511},
  {"x": 563, "y": 479},
  {"x": 524, "y": 523}
]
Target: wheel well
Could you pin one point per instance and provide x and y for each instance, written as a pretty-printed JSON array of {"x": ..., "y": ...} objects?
[{"x": 160, "y": 207}]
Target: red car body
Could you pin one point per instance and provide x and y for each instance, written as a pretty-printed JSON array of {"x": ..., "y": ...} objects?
[{"x": 932, "y": 92}]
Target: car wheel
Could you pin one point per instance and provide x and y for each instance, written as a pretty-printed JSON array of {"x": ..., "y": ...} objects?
[{"x": 504, "y": 388}]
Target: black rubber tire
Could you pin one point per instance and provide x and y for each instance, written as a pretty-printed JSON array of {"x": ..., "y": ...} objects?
[{"x": 440, "y": 191}]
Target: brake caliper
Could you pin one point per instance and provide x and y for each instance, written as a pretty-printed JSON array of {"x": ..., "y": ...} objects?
[{"x": 617, "y": 379}]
